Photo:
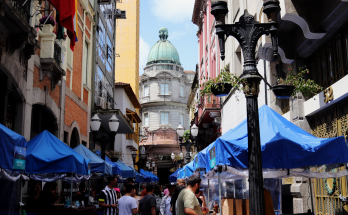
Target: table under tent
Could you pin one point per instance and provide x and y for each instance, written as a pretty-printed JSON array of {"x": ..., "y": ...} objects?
[{"x": 287, "y": 151}]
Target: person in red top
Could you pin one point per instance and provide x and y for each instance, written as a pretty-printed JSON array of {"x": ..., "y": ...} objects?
[{"x": 144, "y": 192}]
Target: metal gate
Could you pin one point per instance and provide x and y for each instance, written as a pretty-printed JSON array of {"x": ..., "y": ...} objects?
[{"x": 331, "y": 122}]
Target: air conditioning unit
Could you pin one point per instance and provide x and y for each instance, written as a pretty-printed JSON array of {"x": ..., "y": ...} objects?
[
  {"x": 100, "y": 102},
  {"x": 104, "y": 1},
  {"x": 117, "y": 11}
]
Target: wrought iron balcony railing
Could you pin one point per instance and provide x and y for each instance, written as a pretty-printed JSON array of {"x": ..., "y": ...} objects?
[
  {"x": 22, "y": 7},
  {"x": 57, "y": 53}
]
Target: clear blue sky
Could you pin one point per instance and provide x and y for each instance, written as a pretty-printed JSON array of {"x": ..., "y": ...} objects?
[{"x": 176, "y": 16}]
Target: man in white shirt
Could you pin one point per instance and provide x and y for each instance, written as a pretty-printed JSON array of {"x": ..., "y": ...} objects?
[{"x": 127, "y": 205}]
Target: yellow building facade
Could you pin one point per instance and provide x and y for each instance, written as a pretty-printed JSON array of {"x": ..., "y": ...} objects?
[{"x": 127, "y": 44}]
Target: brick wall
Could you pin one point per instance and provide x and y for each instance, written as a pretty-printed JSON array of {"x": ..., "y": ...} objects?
[
  {"x": 55, "y": 94},
  {"x": 88, "y": 23},
  {"x": 77, "y": 74},
  {"x": 68, "y": 78},
  {"x": 75, "y": 113},
  {"x": 85, "y": 96}
]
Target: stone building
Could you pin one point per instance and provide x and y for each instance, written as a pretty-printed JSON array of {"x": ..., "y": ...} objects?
[
  {"x": 305, "y": 37},
  {"x": 163, "y": 91}
]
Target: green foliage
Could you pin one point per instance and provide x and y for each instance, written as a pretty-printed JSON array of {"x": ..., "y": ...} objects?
[
  {"x": 115, "y": 153},
  {"x": 177, "y": 158},
  {"x": 308, "y": 87},
  {"x": 186, "y": 136},
  {"x": 223, "y": 77}
]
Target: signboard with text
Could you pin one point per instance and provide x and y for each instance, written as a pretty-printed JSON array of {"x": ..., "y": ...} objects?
[
  {"x": 212, "y": 154},
  {"x": 19, "y": 158}
]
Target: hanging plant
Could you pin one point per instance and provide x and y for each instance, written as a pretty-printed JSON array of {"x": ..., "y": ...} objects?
[
  {"x": 50, "y": 20},
  {"x": 114, "y": 155},
  {"x": 221, "y": 85},
  {"x": 186, "y": 135},
  {"x": 172, "y": 170},
  {"x": 295, "y": 83},
  {"x": 178, "y": 158}
]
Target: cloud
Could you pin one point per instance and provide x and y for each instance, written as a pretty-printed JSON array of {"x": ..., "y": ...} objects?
[
  {"x": 144, "y": 50},
  {"x": 177, "y": 11}
]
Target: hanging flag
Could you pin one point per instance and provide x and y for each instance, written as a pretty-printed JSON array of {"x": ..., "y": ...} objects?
[{"x": 67, "y": 17}]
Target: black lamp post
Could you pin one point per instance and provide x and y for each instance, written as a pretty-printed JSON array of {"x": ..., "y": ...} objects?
[
  {"x": 187, "y": 144},
  {"x": 142, "y": 157},
  {"x": 247, "y": 31},
  {"x": 104, "y": 140}
]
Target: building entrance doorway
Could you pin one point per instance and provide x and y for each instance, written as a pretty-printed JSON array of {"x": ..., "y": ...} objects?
[{"x": 163, "y": 175}]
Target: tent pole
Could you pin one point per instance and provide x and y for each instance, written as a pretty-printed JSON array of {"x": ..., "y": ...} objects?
[
  {"x": 208, "y": 195},
  {"x": 311, "y": 193},
  {"x": 20, "y": 196},
  {"x": 71, "y": 187},
  {"x": 220, "y": 211}
]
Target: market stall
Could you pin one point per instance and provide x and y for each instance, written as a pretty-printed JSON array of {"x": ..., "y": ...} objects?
[
  {"x": 287, "y": 151},
  {"x": 173, "y": 177},
  {"x": 12, "y": 164}
]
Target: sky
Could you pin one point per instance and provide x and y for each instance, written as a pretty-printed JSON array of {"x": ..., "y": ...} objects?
[{"x": 176, "y": 16}]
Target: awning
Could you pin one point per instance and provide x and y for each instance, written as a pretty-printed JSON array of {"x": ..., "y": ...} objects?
[
  {"x": 105, "y": 115},
  {"x": 173, "y": 177}
]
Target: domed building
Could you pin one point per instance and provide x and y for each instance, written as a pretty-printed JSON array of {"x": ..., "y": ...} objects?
[{"x": 164, "y": 88}]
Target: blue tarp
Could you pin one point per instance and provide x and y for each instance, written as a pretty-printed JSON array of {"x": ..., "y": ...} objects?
[
  {"x": 47, "y": 154},
  {"x": 149, "y": 174},
  {"x": 98, "y": 165},
  {"x": 126, "y": 171},
  {"x": 199, "y": 160},
  {"x": 173, "y": 177},
  {"x": 116, "y": 170},
  {"x": 283, "y": 145},
  {"x": 8, "y": 140}
]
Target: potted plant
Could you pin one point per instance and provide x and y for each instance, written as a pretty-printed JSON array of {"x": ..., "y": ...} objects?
[
  {"x": 221, "y": 85},
  {"x": 186, "y": 135},
  {"x": 114, "y": 155},
  {"x": 178, "y": 159},
  {"x": 295, "y": 83},
  {"x": 50, "y": 21}
]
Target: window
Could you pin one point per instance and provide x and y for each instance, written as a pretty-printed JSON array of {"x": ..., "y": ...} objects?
[
  {"x": 164, "y": 89},
  {"x": 146, "y": 119},
  {"x": 146, "y": 90},
  {"x": 85, "y": 80},
  {"x": 182, "y": 119},
  {"x": 164, "y": 118},
  {"x": 101, "y": 40},
  {"x": 182, "y": 91}
]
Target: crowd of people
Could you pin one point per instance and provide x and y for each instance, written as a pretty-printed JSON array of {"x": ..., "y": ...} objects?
[{"x": 180, "y": 198}]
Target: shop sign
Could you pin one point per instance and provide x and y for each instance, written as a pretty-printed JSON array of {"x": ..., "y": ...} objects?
[
  {"x": 212, "y": 154},
  {"x": 19, "y": 158}
]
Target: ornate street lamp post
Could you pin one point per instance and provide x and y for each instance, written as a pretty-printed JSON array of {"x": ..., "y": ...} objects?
[
  {"x": 142, "y": 157},
  {"x": 104, "y": 140},
  {"x": 187, "y": 144},
  {"x": 247, "y": 31}
]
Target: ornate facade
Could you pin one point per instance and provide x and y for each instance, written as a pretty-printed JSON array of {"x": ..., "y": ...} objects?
[{"x": 163, "y": 92}]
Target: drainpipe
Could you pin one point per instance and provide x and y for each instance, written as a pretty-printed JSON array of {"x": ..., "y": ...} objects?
[{"x": 265, "y": 77}]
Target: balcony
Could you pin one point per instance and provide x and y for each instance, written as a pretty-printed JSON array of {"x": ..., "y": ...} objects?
[
  {"x": 14, "y": 22},
  {"x": 51, "y": 56},
  {"x": 131, "y": 145}
]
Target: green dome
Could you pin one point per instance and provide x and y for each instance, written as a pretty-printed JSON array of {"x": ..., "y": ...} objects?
[{"x": 163, "y": 51}]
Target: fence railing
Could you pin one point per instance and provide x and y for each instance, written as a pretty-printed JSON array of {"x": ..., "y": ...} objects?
[{"x": 22, "y": 7}]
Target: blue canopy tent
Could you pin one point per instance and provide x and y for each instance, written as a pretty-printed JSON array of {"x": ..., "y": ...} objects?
[
  {"x": 116, "y": 170},
  {"x": 47, "y": 154},
  {"x": 148, "y": 174},
  {"x": 138, "y": 177},
  {"x": 154, "y": 176},
  {"x": 8, "y": 140},
  {"x": 283, "y": 145},
  {"x": 98, "y": 165},
  {"x": 173, "y": 177},
  {"x": 126, "y": 170}
]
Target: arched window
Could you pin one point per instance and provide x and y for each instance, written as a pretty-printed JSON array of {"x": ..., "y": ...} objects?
[{"x": 42, "y": 119}]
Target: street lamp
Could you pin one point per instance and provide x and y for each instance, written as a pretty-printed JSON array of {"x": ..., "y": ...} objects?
[
  {"x": 172, "y": 156},
  {"x": 247, "y": 31},
  {"x": 104, "y": 140},
  {"x": 142, "y": 157},
  {"x": 187, "y": 144}
]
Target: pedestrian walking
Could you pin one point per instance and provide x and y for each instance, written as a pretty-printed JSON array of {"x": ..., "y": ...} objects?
[
  {"x": 187, "y": 202},
  {"x": 127, "y": 205},
  {"x": 158, "y": 195},
  {"x": 166, "y": 191},
  {"x": 147, "y": 205},
  {"x": 165, "y": 207},
  {"x": 181, "y": 184},
  {"x": 144, "y": 192},
  {"x": 108, "y": 197}
]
